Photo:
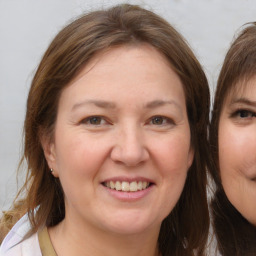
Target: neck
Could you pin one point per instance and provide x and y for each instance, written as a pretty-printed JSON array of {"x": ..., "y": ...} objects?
[{"x": 69, "y": 239}]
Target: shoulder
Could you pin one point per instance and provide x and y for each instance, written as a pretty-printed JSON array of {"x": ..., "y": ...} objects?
[
  {"x": 28, "y": 247},
  {"x": 14, "y": 243}
]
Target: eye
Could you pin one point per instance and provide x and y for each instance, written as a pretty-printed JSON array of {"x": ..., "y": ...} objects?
[
  {"x": 160, "y": 120},
  {"x": 157, "y": 120},
  {"x": 243, "y": 114},
  {"x": 94, "y": 120}
]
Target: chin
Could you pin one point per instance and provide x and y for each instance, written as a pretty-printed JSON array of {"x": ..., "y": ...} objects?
[{"x": 131, "y": 225}]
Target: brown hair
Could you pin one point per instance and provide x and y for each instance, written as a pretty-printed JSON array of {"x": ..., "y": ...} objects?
[
  {"x": 185, "y": 230},
  {"x": 235, "y": 235}
]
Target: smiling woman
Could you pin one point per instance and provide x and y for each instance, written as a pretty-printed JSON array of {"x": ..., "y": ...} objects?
[
  {"x": 95, "y": 145},
  {"x": 116, "y": 143},
  {"x": 233, "y": 141}
]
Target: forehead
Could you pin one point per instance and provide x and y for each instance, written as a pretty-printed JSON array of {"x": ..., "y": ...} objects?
[
  {"x": 138, "y": 73},
  {"x": 128, "y": 63},
  {"x": 244, "y": 88},
  {"x": 145, "y": 52}
]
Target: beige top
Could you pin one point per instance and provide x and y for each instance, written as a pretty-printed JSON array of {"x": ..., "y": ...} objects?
[{"x": 45, "y": 243}]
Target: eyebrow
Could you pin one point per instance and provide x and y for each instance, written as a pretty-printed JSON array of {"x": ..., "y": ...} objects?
[
  {"x": 111, "y": 105},
  {"x": 243, "y": 101},
  {"x": 98, "y": 103},
  {"x": 159, "y": 103}
]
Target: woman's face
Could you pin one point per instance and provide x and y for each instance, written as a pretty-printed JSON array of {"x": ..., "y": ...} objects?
[
  {"x": 237, "y": 149},
  {"x": 122, "y": 142}
]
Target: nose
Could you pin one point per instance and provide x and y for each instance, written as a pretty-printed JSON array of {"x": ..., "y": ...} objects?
[{"x": 130, "y": 148}]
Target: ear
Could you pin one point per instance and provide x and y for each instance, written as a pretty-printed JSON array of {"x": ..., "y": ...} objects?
[
  {"x": 191, "y": 154},
  {"x": 50, "y": 154}
]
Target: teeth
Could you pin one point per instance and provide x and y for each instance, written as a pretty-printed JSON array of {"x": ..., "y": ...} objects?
[
  {"x": 144, "y": 184},
  {"x": 133, "y": 186},
  {"x": 112, "y": 185},
  {"x": 139, "y": 186},
  {"x": 118, "y": 185},
  {"x": 126, "y": 186}
]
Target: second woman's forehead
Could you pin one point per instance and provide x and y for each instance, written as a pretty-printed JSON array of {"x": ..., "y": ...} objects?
[{"x": 243, "y": 89}]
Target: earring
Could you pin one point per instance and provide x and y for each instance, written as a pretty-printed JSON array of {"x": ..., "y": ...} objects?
[{"x": 51, "y": 170}]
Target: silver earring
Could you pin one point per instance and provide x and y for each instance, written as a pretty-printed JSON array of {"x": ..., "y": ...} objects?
[{"x": 51, "y": 170}]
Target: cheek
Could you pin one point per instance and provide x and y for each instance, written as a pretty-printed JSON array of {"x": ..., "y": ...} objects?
[
  {"x": 173, "y": 155},
  {"x": 237, "y": 147},
  {"x": 80, "y": 154},
  {"x": 229, "y": 157},
  {"x": 172, "y": 158}
]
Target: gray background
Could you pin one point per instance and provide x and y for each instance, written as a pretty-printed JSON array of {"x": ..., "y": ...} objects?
[{"x": 28, "y": 26}]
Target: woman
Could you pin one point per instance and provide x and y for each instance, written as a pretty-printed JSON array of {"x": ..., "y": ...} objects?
[
  {"x": 232, "y": 138},
  {"x": 115, "y": 142}
]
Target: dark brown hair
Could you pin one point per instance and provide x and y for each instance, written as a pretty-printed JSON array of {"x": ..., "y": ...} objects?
[
  {"x": 185, "y": 230},
  {"x": 235, "y": 235}
]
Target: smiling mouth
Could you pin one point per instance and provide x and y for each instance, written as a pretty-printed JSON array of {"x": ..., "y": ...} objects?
[{"x": 126, "y": 186}]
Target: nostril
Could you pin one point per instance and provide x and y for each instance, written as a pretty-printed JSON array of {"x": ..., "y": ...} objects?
[{"x": 129, "y": 155}]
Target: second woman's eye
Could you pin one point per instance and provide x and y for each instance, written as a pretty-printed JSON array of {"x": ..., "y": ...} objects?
[{"x": 242, "y": 113}]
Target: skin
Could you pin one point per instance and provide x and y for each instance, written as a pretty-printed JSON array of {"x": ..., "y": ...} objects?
[
  {"x": 237, "y": 147},
  {"x": 141, "y": 131}
]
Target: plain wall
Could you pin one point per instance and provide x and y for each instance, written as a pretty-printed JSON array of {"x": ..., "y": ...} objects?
[{"x": 28, "y": 26}]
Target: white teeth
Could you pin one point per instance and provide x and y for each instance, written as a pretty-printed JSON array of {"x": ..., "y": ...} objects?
[
  {"x": 126, "y": 186},
  {"x": 144, "y": 184},
  {"x": 118, "y": 185},
  {"x": 133, "y": 186},
  {"x": 112, "y": 185},
  {"x": 139, "y": 186}
]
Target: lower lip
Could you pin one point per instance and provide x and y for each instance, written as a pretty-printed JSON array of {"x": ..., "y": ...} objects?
[{"x": 129, "y": 196}]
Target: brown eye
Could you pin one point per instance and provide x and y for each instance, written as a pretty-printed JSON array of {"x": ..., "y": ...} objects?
[
  {"x": 93, "y": 120},
  {"x": 157, "y": 120}
]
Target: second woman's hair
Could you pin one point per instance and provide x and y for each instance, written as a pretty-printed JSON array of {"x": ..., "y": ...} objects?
[{"x": 235, "y": 235}]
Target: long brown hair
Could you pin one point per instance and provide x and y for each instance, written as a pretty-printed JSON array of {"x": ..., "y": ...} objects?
[
  {"x": 235, "y": 235},
  {"x": 185, "y": 230}
]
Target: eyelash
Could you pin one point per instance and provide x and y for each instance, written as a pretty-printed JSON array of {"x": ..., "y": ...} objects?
[{"x": 243, "y": 114}]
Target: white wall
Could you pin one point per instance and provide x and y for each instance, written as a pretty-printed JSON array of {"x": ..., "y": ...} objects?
[{"x": 27, "y": 27}]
